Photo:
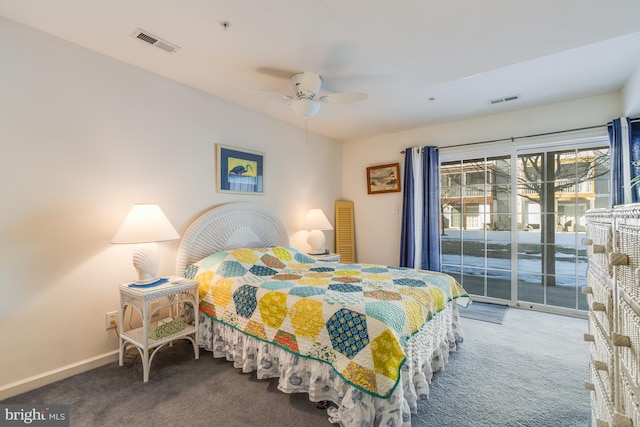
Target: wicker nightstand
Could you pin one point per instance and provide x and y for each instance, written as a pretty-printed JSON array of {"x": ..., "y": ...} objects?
[
  {"x": 148, "y": 300},
  {"x": 329, "y": 257}
]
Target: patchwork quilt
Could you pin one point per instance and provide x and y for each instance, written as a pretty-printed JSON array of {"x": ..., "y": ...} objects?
[{"x": 355, "y": 317}]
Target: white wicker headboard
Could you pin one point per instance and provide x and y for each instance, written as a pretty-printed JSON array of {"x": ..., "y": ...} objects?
[{"x": 230, "y": 226}]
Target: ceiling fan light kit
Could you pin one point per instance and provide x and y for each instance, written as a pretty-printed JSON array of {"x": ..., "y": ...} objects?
[{"x": 305, "y": 107}]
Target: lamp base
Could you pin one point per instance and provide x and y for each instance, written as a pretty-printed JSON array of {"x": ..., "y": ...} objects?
[
  {"x": 325, "y": 252},
  {"x": 146, "y": 262},
  {"x": 146, "y": 281},
  {"x": 316, "y": 240}
]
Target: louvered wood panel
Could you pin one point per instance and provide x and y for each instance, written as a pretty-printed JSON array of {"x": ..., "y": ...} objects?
[{"x": 345, "y": 233}]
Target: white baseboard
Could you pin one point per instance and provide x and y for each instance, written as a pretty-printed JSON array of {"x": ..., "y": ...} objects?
[{"x": 49, "y": 377}]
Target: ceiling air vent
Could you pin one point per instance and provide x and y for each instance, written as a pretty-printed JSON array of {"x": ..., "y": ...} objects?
[
  {"x": 147, "y": 37},
  {"x": 504, "y": 99}
]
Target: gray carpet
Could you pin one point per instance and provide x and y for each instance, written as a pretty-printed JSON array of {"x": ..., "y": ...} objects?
[
  {"x": 486, "y": 312},
  {"x": 529, "y": 371}
]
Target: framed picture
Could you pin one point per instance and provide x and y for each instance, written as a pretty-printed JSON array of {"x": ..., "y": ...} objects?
[
  {"x": 383, "y": 178},
  {"x": 239, "y": 170}
]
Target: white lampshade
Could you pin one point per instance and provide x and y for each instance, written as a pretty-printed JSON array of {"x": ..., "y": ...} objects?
[
  {"x": 315, "y": 221},
  {"x": 145, "y": 224}
]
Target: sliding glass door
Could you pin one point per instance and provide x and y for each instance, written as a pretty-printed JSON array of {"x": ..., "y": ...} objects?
[
  {"x": 512, "y": 224},
  {"x": 476, "y": 224}
]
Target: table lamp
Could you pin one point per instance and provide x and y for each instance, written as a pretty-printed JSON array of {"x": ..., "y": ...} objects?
[
  {"x": 145, "y": 224},
  {"x": 315, "y": 222}
]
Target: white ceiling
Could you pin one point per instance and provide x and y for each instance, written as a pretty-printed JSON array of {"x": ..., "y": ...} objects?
[{"x": 420, "y": 61}]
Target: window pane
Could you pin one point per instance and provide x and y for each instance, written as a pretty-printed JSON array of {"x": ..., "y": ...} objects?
[
  {"x": 500, "y": 169},
  {"x": 474, "y": 220},
  {"x": 583, "y": 262},
  {"x": 475, "y": 178},
  {"x": 530, "y": 258},
  {"x": 499, "y": 197},
  {"x": 530, "y": 288},
  {"x": 502, "y": 227},
  {"x": 451, "y": 251},
  {"x": 450, "y": 195},
  {"x": 561, "y": 292},
  {"x": 499, "y": 284},
  {"x": 582, "y": 298},
  {"x": 473, "y": 252},
  {"x": 473, "y": 280},
  {"x": 451, "y": 219},
  {"x": 530, "y": 167},
  {"x": 498, "y": 254},
  {"x": 565, "y": 258}
]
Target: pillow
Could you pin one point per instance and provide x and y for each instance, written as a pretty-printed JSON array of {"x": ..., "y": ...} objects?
[{"x": 259, "y": 261}]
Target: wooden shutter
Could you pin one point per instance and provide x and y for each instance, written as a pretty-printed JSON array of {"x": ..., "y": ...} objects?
[{"x": 345, "y": 234}]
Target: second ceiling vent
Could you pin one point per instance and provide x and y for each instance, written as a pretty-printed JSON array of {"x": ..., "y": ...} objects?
[
  {"x": 149, "y": 38},
  {"x": 504, "y": 99}
]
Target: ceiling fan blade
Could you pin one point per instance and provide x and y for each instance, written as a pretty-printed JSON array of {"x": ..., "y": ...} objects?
[
  {"x": 344, "y": 97},
  {"x": 276, "y": 72},
  {"x": 265, "y": 92}
]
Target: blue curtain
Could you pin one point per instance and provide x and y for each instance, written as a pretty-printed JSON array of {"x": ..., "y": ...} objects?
[
  {"x": 407, "y": 231},
  {"x": 420, "y": 232},
  {"x": 624, "y": 139}
]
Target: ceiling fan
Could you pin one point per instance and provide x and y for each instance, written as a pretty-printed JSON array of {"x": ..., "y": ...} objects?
[{"x": 307, "y": 102}]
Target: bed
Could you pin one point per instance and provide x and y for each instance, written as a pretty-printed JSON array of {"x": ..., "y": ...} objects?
[{"x": 362, "y": 340}]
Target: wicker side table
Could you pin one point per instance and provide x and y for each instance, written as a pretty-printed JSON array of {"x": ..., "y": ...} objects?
[
  {"x": 148, "y": 300},
  {"x": 328, "y": 257}
]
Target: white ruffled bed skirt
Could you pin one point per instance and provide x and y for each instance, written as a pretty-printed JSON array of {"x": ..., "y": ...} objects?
[{"x": 427, "y": 352}]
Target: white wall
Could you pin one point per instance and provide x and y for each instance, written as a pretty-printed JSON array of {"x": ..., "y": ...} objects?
[
  {"x": 378, "y": 216},
  {"x": 631, "y": 95},
  {"x": 83, "y": 137}
]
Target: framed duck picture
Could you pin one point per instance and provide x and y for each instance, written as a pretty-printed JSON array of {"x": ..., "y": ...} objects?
[
  {"x": 383, "y": 178},
  {"x": 239, "y": 170}
]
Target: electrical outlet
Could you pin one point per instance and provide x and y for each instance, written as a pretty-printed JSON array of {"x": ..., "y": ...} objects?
[{"x": 111, "y": 320}]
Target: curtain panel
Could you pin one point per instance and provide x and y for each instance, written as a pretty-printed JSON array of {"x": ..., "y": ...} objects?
[
  {"x": 624, "y": 140},
  {"x": 420, "y": 232}
]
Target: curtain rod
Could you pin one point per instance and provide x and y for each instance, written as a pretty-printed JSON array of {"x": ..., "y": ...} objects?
[{"x": 513, "y": 138}]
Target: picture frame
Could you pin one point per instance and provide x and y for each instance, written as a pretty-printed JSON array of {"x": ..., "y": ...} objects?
[
  {"x": 383, "y": 178},
  {"x": 239, "y": 170}
]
